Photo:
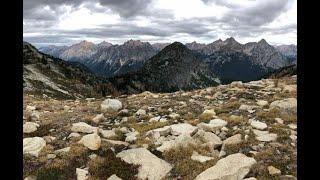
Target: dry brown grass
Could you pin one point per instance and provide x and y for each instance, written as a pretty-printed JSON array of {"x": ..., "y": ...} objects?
[
  {"x": 226, "y": 108},
  {"x": 102, "y": 167},
  {"x": 282, "y": 158},
  {"x": 269, "y": 116},
  {"x": 183, "y": 166}
]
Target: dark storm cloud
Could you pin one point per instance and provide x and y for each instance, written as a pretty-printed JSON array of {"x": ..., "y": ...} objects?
[
  {"x": 126, "y": 8},
  {"x": 262, "y": 13},
  {"x": 240, "y": 20}
]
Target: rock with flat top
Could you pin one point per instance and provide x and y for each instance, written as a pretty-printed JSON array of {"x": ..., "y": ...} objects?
[
  {"x": 151, "y": 167},
  {"x": 91, "y": 141},
  {"x": 232, "y": 167},
  {"x": 197, "y": 157},
  {"x": 183, "y": 129},
  {"x": 259, "y": 125},
  {"x": 108, "y": 133}
]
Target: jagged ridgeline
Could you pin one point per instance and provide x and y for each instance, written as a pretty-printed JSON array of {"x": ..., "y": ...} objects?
[
  {"x": 174, "y": 68},
  {"x": 45, "y": 74}
]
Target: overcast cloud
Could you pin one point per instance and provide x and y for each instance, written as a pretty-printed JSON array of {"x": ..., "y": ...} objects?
[{"x": 64, "y": 22}]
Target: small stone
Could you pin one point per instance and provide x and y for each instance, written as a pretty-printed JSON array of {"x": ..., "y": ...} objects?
[
  {"x": 235, "y": 139},
  {"x": 30, "y": 108},
  {"x": 73, "y": 135},
  {"x": 155, "y": 119},
  {"x": 124, "y": 130},
  {"x": 63, "y": 150},
  {"x": 259, "y": 125},
  {"x": 34, "y": 115},
  {"x": 114, "y": 177},
  {"x": 262, "y": 103},
  {"x": 66, "y": 108},
  {"x": 111, "y": 105},
  {"x": 30, "y": 127},
  {"x": 92, "y": 156},
  {"x": 219, "y": 123},
  {"x": 245, "y": 107},
  {"x": 49, "y": 139},
  {"x": 82, "y": 174},
  {"x": 131, "y": 137},
  {"x": 83, "y": 128},
  {"x": 108, "y": 133},
  {"x": 292, "y": 126},
  {"x": 124, "y": 112},
  {"x": 273, "y": 171},
  {"x": 279, "y": 120},
  {"x": 98, "y": 118},
  {"x": 115, "y": 143},
  {"x": 197, "y": 157},
  {"x": 141, "y": 112},
  {"x": 91, "y": 141},
  {"x": 51, "y": 156},
  {"x": 31, "y": 177},
  {"x": 174, "y": 116},
  {"x": 207, "y": 114},
  {"x": 183, "y": 128},
  {"x": 267, "y": 137}
]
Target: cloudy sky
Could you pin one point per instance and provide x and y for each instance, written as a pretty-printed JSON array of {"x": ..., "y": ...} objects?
[{"x": 65, "y": 22}]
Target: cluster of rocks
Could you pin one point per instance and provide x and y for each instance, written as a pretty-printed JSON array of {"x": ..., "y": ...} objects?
[{"x": 112, "y": 124}]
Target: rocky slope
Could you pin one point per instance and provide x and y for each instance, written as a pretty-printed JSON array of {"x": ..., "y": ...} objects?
[
  {"x": 283, "y": 72},
  {"x": 235, "y": 66},
  {"x": 44, "y": 74},
  {"x": 174, "y": 68},
  {"x": 235, "y": 131}
]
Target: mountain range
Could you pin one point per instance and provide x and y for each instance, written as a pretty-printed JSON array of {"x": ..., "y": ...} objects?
[
  {"x": 135, "y": 66},
  {"x": 111, "y": 60}
]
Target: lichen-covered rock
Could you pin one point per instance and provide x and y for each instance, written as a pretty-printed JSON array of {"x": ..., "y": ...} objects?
[{"x": 33, "y": 145}]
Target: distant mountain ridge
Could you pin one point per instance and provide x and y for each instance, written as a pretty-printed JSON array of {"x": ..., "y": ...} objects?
[{"x": 110, "y": 60}]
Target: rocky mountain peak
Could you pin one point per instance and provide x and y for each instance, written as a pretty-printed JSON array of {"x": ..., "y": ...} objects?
[
  {"x": 218, "y": 41},
  {"x": 104, "y": 44},
  {"x": 231, "y": 40},
  {"x": 85, "y": 43},
  {"x": 134, "y": 43},
  {"x": 263, "y": 42}
]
